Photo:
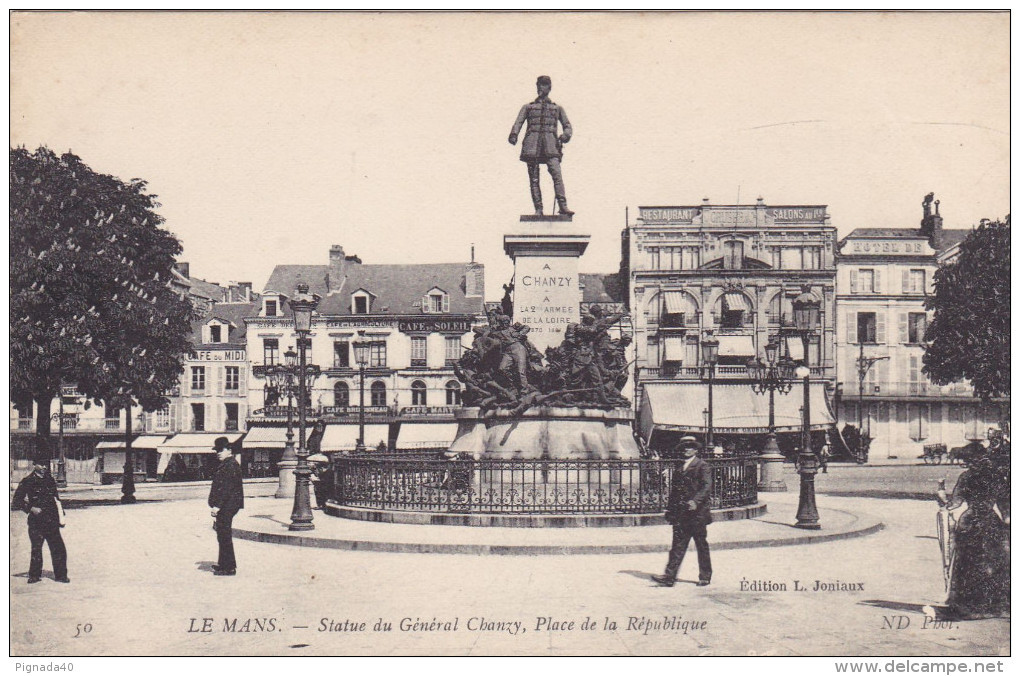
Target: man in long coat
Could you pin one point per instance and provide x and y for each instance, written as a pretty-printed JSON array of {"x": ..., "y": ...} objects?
[
  {"x": 37, "y": 496},
  {"x": 689, "y": 511},
  {"x": 226, "y": 497},
  {"x": 541, "y": 145}
]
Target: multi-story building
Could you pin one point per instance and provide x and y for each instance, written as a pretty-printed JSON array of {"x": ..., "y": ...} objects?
[
  {"x": 211, "y": 399},
  {"x": 416, "y": 320},
  {"x": 92, "y": 437},
  {"x": 730, "y": 271},
  {"x": 883, "y": 277}
]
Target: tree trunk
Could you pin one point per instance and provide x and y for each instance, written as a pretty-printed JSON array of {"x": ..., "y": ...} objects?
[{"x": 43, "y": 403}]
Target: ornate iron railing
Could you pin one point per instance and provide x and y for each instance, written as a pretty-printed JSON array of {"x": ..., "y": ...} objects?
[{"x": 529, "y": 486}]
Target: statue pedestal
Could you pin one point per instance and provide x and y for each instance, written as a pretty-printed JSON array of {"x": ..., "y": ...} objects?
[
  {"x": 547, "y": 296},
  {"x": 547, "y": 433}
]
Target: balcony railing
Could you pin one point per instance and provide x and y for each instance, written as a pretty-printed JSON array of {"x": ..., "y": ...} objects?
[
  {"x": 721, "y": 372},
  {"x": 72, "y": 423},
  {"x": 906, "y": 389}
]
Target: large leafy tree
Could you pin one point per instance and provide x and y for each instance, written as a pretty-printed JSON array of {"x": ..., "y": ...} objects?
[
  {"x": 89, "y": 283},
  {"x": 969, "y": 334}
]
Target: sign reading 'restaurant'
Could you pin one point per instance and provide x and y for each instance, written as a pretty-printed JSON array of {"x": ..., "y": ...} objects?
[
  {"x": 546, "y": 297},
  {"x": 723, "y": 215}
]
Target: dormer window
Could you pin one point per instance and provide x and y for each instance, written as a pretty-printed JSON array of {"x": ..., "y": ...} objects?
[
  {"x": 271, "y": 308},
  {"x": 436, "y": 301},
  {"x": 361, "y": 302},
  {"x": 216, "y": 331}
]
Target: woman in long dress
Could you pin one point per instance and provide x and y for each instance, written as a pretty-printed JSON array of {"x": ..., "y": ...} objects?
[{"x": 979, "y": 580}]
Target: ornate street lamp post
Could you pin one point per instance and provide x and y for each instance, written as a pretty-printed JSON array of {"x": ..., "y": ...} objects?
[
  {"x": 303, "y": 304},
  {"x": 805, "y": 316},
  {"x": 771, "y": 376},
  {"x": 282, "y": 378},
  {"x": 864, "y": 365},
  {"x": 710, "y": 353},
  {"x": 361, "y": 348}
]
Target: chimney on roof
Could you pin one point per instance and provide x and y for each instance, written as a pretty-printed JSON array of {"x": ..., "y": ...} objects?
[
  {"x": 474, "y": 280},
  {"x": 337, "y": 267},
  {"x": 245, "y": 291},
  {"x": 184, "y": 269},
  {"x": 931, "y": 223}
]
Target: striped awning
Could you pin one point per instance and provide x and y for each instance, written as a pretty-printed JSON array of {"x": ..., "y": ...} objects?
[
  {"x": 345, "y": 437},
  {"x": 199, "y": 442},
  {"x": 677, "y": 302},
  {"x": 736, "y": 346},
  {"x": 267, "y": 437},
  {"x": 674, "y": 349},
  {"x": 795, "y": 348},
  {"x": 426, "y": 435},
  {"x": 734, "y": 300},
  {"x": 736, "y": 408},
  {"x": 145, "y": 441}
]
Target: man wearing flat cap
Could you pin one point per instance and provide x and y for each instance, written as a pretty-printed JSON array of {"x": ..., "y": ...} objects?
[
  {"x": 37, "y": 496},
  {"x": 226, "y": 497},
  {"x": 541, "y": 145},
  {"x": 689, "y": 511}
]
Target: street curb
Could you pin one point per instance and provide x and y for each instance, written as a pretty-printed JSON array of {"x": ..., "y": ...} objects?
[
  {"x": 533, "y": 550},
  {"x": 526, "y": 520}
]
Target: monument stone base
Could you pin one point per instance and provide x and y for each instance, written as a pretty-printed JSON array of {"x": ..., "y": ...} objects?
[{"x": 547, "y": 433}]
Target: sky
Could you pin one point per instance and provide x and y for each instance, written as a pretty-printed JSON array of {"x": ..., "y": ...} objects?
[{"x": 269, "y": 137}]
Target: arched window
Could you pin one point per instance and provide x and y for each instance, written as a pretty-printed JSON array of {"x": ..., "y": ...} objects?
[
  {"x": 378, "y": 393},
  {"x": 419, "y": 396},
  {"x": 341, "y": 394},
  {"x": 453, "y": 393}
]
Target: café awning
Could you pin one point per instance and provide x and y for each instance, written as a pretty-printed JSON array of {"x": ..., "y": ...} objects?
[
  {"x": 345, "y": 437},
  {"x": 267, "y": 437},
  {"x": 426, "y": 435},
  {"x": 681, "y": 407},
  {"x": 197, "y": 442},
  {"x": 142, "y": 442},
  {"x": 736, "y": 346}
]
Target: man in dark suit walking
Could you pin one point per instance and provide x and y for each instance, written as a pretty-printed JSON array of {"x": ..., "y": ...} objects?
[
  {"x": 689, "y": 510},
  {"x": 37, "y": 496},
  {"x": 226, "y": 498}
]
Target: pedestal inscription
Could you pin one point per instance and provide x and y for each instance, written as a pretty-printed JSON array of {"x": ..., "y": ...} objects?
[{"x": 546, "y": 297}]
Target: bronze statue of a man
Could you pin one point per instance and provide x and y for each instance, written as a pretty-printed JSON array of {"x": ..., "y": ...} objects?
[{"x": 541, "y": 145}]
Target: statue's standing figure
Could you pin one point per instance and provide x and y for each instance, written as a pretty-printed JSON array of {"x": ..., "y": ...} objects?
[{"x": 541, "y": 144}]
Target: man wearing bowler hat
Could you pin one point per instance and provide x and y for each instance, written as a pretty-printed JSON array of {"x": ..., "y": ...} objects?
[
  {"x": 226, "y": 498},
  {"x": 689, "y": 511}
]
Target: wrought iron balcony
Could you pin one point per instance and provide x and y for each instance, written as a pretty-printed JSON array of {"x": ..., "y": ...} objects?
[
  {"x": 679, "y": 372},
  {"x": 906, "y": 389}
]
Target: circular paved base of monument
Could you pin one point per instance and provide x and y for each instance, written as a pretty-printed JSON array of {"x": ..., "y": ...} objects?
[
  {"x": 528, "y": 520},
  {"x": 265, "y": 520}
]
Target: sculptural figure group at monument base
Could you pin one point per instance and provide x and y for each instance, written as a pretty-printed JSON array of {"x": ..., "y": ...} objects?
[{"x": 503, "y": 370}]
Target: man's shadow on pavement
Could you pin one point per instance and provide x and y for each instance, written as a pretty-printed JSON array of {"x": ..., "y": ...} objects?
[
  {"x": 927, "y": 609},
  {"x": 269, "y": 517},
  {"x": 45, "y": 574},
  {"x": 642, "y": 575},
  {"x": 205, "y": 566}
]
